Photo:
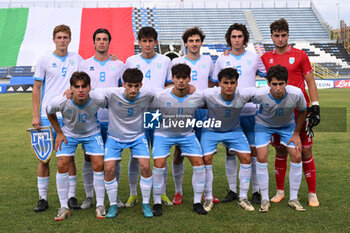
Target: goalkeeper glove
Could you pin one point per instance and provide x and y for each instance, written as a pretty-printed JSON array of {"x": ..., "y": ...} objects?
[{"x": 313, "y": 118}]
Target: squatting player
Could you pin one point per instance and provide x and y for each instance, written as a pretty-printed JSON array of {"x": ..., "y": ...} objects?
[
  {"x": 156, "y": 74},
  {"x": 248, "y": 65},
  {"x": 177, "y": 102},
  {"x": 80, "y": 127},
  {"x": 51, "y": 79},
  {"x": 202, "y": 68},
  {"x": 276, "y": 116},
  {"x": 299, "y": 70},
  {"x": 126, "y": 108},
  {"x": 103, "y": 73},
  {"x": 225, "y": 104}
]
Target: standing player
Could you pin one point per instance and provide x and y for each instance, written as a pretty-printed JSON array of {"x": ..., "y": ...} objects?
[
  {"x": 202, "y": 68},
  {"x": 276, "y": 116},
  {"x": 299, "y": 70},
  {"x": 103, "y": 73},
  {"x": 248, "y": 65},
  {"x": 225, "y": 104},
  {"x": 156, "y": 74},
  {"x": 126, "y": 109},
  {"x": 177, "y": 102},
  {"x": 52, "y": 79},
  {"x": 80, "y": 126}
]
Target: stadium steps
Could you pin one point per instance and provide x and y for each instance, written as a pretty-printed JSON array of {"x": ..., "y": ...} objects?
[
  {"x": 253, "y": 26},
  {"x": 303, "y": 23}
]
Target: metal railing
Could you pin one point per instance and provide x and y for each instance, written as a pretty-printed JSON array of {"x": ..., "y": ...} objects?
[{"x": 323, "y": 72}]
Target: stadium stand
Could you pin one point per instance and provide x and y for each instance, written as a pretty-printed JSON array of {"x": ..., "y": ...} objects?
[
  {"x": 303, "y": 23},
  {"x": 213, "y": 21}
]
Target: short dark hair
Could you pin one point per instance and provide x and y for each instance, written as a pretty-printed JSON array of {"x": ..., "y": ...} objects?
[
  {"x": 77, "y": 76},
  {"x": 238, "y": 27},
  {"x": 62, "y": 28},
  {"x": 133, "y": 75},
  {"x": 229, "y": 73},
  {"x": 279, "y": 72},
  {"x": 280, "y": 25},
  {"x": 102, "y": 30},
  {"x": 146, "y": 32},
  {"x": 181, "y": 70},
  {"x": 191, "y": 32}
]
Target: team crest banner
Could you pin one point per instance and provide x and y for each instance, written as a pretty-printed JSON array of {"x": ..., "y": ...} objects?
[{"x": 42, "y": 142}]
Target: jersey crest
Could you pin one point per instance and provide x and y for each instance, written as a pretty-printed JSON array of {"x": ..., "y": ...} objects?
[
  {"x": 249, "y": 62},
  {"x": 291, "y": 60},
  {"x": 42, "y": 143}
]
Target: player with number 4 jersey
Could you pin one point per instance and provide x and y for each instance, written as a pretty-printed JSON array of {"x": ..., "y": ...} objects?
[{"x": 156, "y": 69}]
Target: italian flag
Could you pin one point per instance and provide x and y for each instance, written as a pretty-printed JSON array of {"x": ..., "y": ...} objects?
[{"x": 26, "y": 33}]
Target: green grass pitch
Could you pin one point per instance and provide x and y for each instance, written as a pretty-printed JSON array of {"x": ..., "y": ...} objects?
[{"x": 18, "y": 188}]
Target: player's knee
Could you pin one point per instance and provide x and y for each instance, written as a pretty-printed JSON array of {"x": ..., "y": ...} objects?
[
  {"x": 208, "y": 160},
  {"x": 245, "y": 159},
  {"x": 109, "y": 172},
  {"x": 145, "y": 167},
  {"x": 62, "y": 167},
  {"x": 97, "y": 166},
  {"x": 159, "y": 163},
  {"x": 198, "y": 161},
  {"x": 281, "y": 152},
  {"x": 43, "y": 165},
  {"x": 306, "y": 153}
]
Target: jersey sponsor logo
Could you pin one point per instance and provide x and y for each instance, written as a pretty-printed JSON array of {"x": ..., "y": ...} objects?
[
  {"x": 42, "y": 143},
  {"x": 113, "y": 68},
  {"x": 138, "y": 66},
  {"x": 291, "y": 60},
  {"x": 228, "y": 63},
  {"x": 168, "y": 104},
  {"x": 151, "y": 120},
  {"x": 204, "y": 66},
  {"x": 92, "y": 68},
  {"x": 271, "y": 61},
  {"x": 120, "y": 104},
  {"x": 342, "y": 84},
  {"x": 159, "y": 65},
  {"x": 71, "y": 62},
  {"x": 54, "y": 65}
]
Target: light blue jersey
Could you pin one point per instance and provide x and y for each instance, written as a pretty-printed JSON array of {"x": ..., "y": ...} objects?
[
  {"x": 54, "y": 72},
  {"x": 156, "y": 71},
  {"x": 103, "y": 74},
  {"x": 278, "y": 113},
  {"x": 227, "y": 112},
  {"x": 176, "y": 112},
  {"x": 201, "y": 70},
  {"x": 79, "y": 121},
  {"x": 248, "y": 65},
  {"x": 126, "y": 116}
]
